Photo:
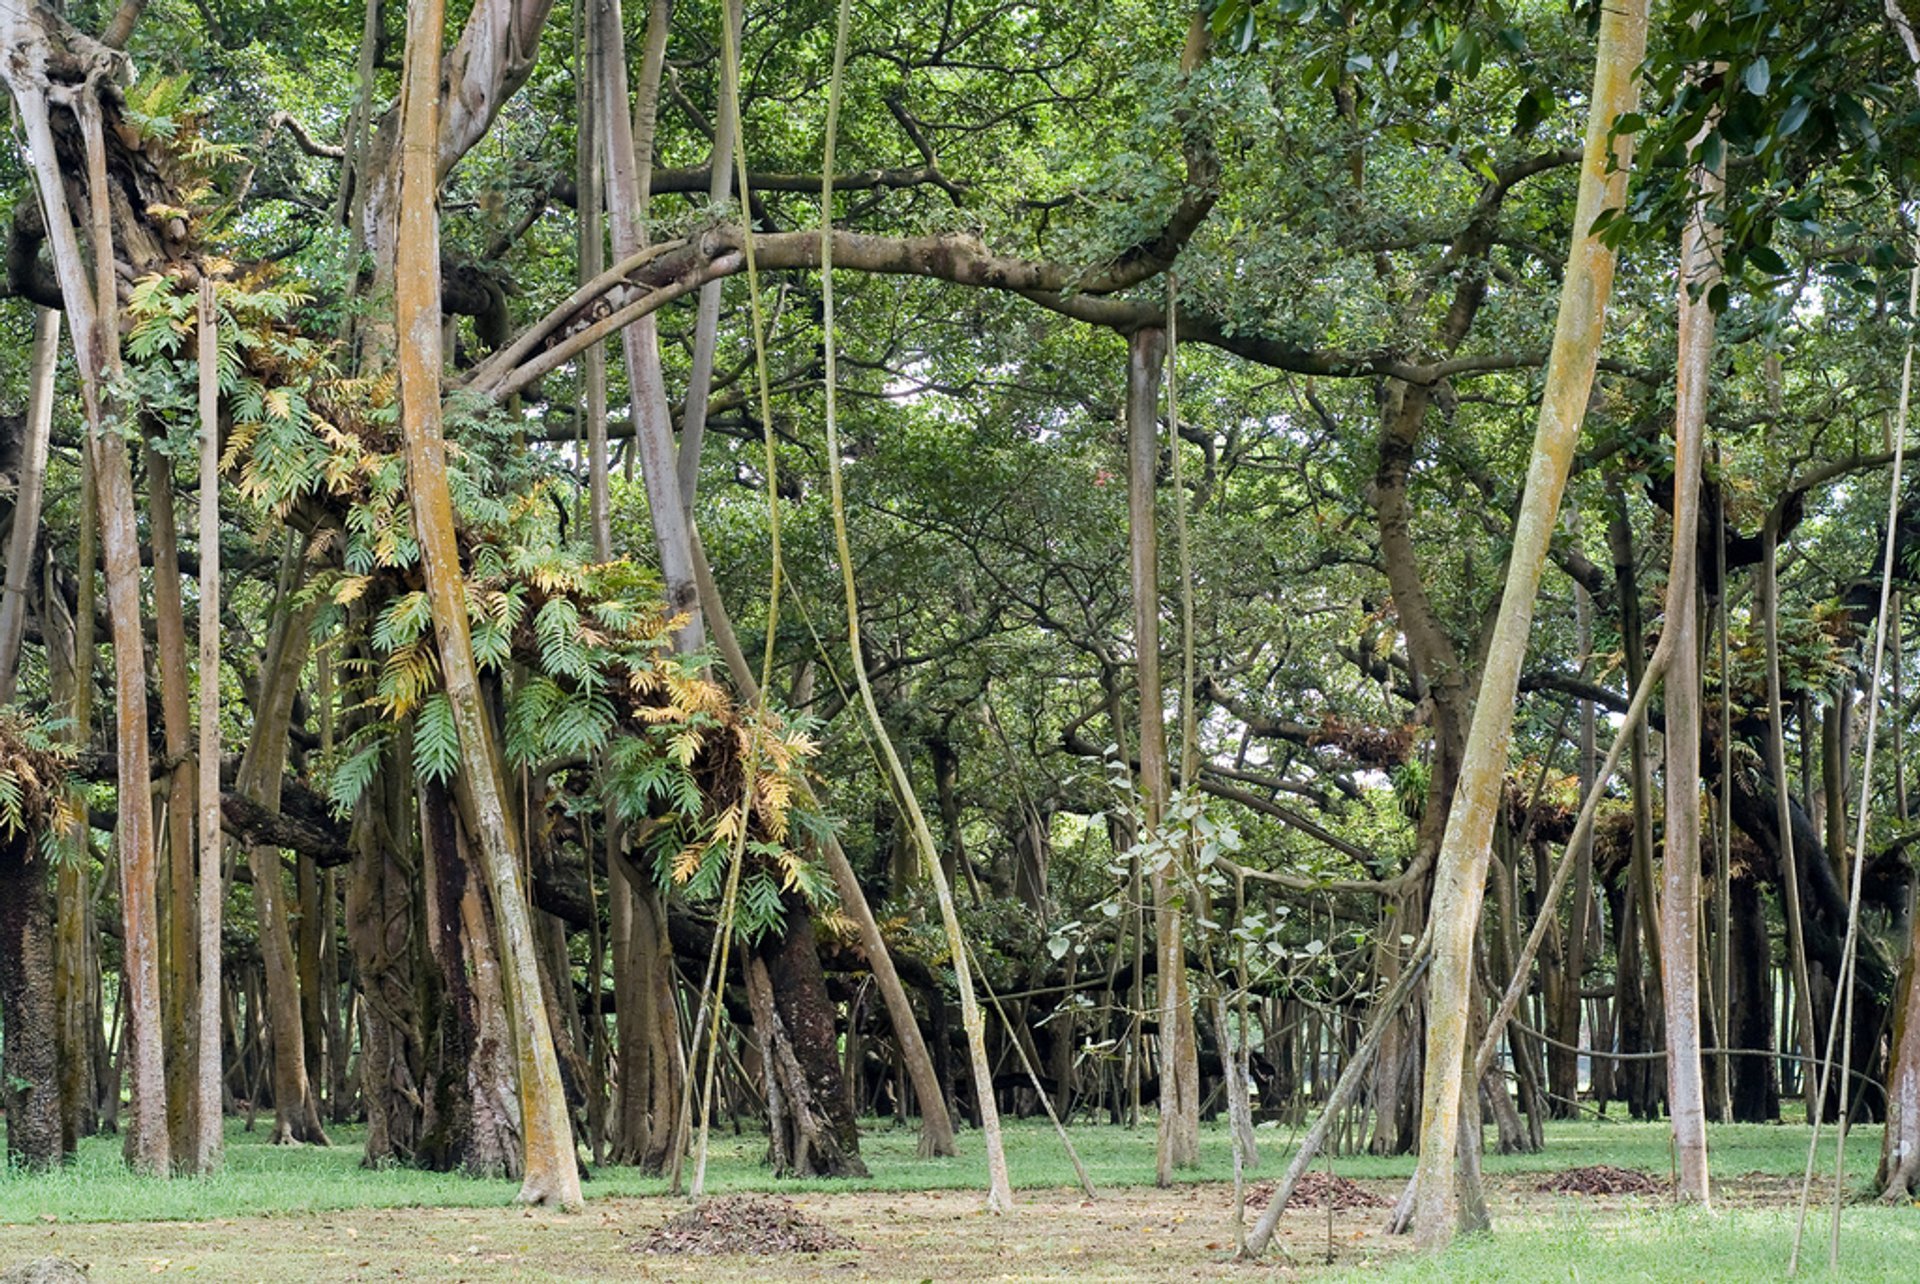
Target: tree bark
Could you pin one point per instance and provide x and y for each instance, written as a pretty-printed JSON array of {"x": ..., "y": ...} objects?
[
  {"x": 179, "y": 1009},
  {"x": 814, "y": 1132},
  {"x": 382, "y": 913},
  {"x": 1179, "y": 1127},
  {"x": 77, "y": 1016},
  {"x": 1754, "y": 1086},
  {"x": 551, "y": 1171},
  {"x": 653, "y": 437},
  {"x": 447, "y": 1120},
  {"x": 296, "y": 1114},
  {"x": 27, "y": 500},
  {"x": 31, "y": 71},
  {"x": 207, "y": 1111},
  {"x": 1899, "y": 1176},
  {"x": 1636, "y": 987},
  {"x": 706, "y": 332},
  {"x": 1769, "y": 607},
  {"x": 1462, "y": 865},
  {"x": 1680, "y": 904},
  {"x": 29, "y": 1077}
]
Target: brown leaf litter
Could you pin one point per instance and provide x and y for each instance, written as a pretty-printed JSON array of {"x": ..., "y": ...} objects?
[{"x": 743, "y": 1224}]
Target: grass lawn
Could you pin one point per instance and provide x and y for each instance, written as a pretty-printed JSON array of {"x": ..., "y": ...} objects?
[{"x": 288, "y": 1213}]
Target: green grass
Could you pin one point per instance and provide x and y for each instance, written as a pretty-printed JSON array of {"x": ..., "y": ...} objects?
[
  {"x": 261, "y": 1179},
  {"x": 1537, "y": 1237},
  {"x": 1669, "y": 1245}
]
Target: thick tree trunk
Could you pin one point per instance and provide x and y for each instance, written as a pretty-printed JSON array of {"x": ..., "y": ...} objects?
[
  {"x": 1754, "y": 1086},
  {"x": 29, "y": 1076},
  {"x": 499, "y": 1138},
  {"x": 447, "y": 1127},
  {"x": 77, "y": 1017},
  {"x": 813, "y": 1132},
  {"x": 381, "y": 918},
  {"x": 1899, "y": 1176},
  {"x": 46, "y": 60},
  {"x": 1460, "y": 876},
  {"x": 632, "y": 1122},
  {"x": 666, "y": 1058},
  {"x": 551, "y": 1171}
]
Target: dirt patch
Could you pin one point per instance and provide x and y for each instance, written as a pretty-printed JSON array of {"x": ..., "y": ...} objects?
[
  {"x": 743, "y": 1224},
  {"x": 1602, "y": 1179},
  {"x": 1318, "y": 1190}
]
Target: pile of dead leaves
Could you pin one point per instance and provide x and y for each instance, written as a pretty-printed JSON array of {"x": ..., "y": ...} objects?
[
  {"x": 45, "y": 1270},
  {"x": 1318, "y": 1190},
  {"x": 1602, "y": 1179},
  {"x": 743, "y": 1224}
]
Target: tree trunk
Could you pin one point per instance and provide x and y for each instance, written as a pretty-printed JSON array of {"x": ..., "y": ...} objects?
[
  {"x": 1754, "y": 1088},
  {"x": 1179, "y": 1128},
  {"x": 447, "y": 1123},
  {"x": 1583, "y": 927},
  {"x": 551, "y": 1171},
  {"x": 207, "y": 1110},
  {"x": 1637, "y": 991},
  {"x": 706, "y": 331},
  {"x": 1899, "y": 1176},
  {"x": 666, "y": 1056},
  {"x": 27, "y": 499},
  {"x": 31, "y": 70},
  {"x": 632, "y": 1121},
  {"x": 381, "y": 917},
  {"x": 813, "y": 1130},
  {"x": 1769, "y": 608},
  {"x": 1680, "y": 904},
  {"x": 29, "y": 1076},
  {"x": 653, "y": 424},
  {"x": 936, "y": 1123},
  {"x": 179, "y": 1008},
  {"x": 69, "y": 651},
  {"x": 1460, "y": 878},
  {"x": 309, "y": 944},
  {"x": 296, "y": 1114}
]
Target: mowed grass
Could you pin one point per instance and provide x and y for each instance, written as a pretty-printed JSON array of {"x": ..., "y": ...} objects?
[
  {"x": 293, "y": 1195},
  {"x": 262, "y": 1179},
  {"x": 1667, "y": 1244}
]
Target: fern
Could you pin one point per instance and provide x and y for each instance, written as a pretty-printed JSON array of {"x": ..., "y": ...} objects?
[
  {"x": 349, "y": 777},
  {"x": 436, "y": 742},
  {"x": 557, "y": 626}
]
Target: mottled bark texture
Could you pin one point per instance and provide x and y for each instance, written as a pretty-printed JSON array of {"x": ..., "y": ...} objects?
[
  {"x": 1461, "y": 872},
  {"x": 550, "y": 1170},
  {"x": 29, "y": 1084},
  {"x": 811, "y": 1126}
]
